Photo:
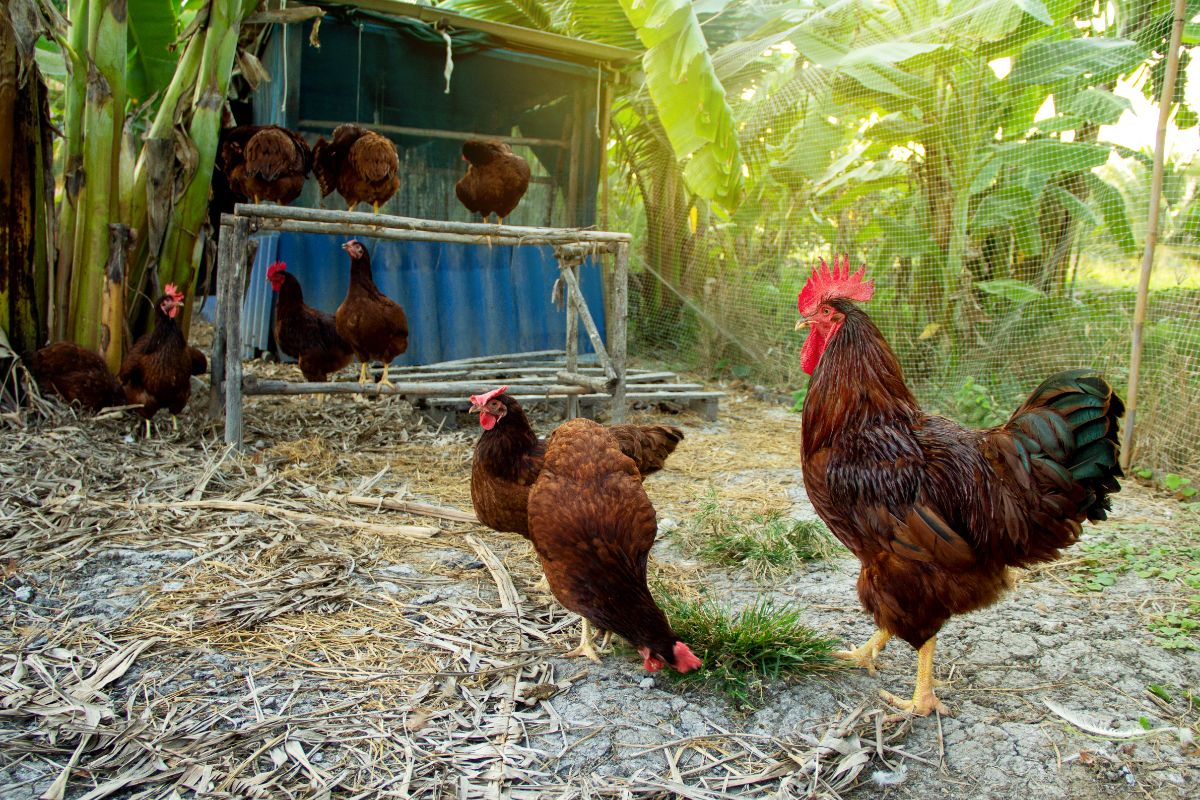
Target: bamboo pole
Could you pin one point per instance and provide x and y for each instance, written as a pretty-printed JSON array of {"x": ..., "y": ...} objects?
[
  {"x": 231, "y": 280},
  {"x": 575, "y": 295},
  {"x": 451, "y": 389},
  {"x": 436, "y": 133},
  {"x": 618, "y": 331},
  {"x": 1156, "y": 186}
]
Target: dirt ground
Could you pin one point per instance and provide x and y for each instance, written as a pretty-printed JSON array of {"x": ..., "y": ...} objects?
[{"x": 185, "y": 621}]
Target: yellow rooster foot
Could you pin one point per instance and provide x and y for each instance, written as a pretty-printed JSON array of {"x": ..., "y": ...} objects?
[
  {"x": 175, "y": 423},
  {"x": 384, "y": 379},
  {"x": 362, "y": 373},
  {"x": 587, "y": 647},
  {"x": 866, "y": 655},
  {"x": 922, "y": 704},
  {"x": 376, "y": 207},
  {"x": 542, "y": 586}
]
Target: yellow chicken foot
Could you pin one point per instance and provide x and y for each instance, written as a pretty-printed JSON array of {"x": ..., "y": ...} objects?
[
  {"x": 148, "y": 437},
  {"x": 362, "y": 373},
  {"x": 587, "y": 647},
  {"x": 384, "y": 380},
  {"x": 542, "y": 586},
  {"x": 376, "y": 207},
  {"x": 501, "y": 219},
  {"x": 175, "y": 423},
  {"x": 924, "y": 701},
  {"x": 256, "y": 200},
  {"x": 865, "y": 656}
]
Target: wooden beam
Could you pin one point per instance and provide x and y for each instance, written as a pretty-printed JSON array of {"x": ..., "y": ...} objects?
[
  {"x": 575, "y": 295},
  {"x": 617, "y": 330},
  {"x": 588, "y": 382},
  {"x": 374, "y": 224},
  {"x": 231, "y": 280},
  {"x": 437, "y": 133},
  {"x": 216, "y": 390},
  {"x": 448, "y": 389}
]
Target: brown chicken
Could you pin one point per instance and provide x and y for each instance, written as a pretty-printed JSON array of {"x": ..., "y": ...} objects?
[
  {"x": 308, "y": 335},
  {"x": 157, "y": 371},
  {"x": 77, "y": 375},
  {"x": 496, "y": 179},
  {"x": 593, "y": 527},
  {"x": 937, "y": 513},
  {"x": 265, "y": 162},
  {"x": 362, "y": 165},
  {"x": 374, "y": 326},
  {"x": 509, "y": 457}
]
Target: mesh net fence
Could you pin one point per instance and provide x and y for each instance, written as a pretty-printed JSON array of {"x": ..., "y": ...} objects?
[{"x": 992, "y": 171}]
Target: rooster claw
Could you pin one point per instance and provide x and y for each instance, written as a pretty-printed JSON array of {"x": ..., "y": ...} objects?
[
  {"x": 586, "y": 650},
  {"x": 922, "y": 705}
]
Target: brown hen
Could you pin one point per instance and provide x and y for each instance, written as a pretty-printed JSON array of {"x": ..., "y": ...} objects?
[
  {"x": 362, "y": 165},
  {"x": 77, "y": 375},
  {"x": 157, "y": 371},
  {"x": 593, "y": 526},
  {"x": 509, "y": 457},
  {"x": 265, "y": 162},
  {"x": 308, "y": 335},
  {"x": 374, "y": 326},
  {"x": 496, "y": 179}
]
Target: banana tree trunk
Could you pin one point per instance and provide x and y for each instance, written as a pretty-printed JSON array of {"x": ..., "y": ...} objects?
[
  {"x": 74, "y": 55},
  {"x": 24, "y": 211}
]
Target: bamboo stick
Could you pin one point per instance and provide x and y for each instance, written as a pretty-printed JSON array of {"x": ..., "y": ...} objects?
[
  {"x": 618, "y": 331},
  {"x": 371, "y": 224},
  {"x": 455, "y": 389},
  {"x": 434, "y": 133},
  {"x": 1156, "y": 186},
  {"x": 588, "y": 382},
  {"x": 231, "y": 280},
  {"x": 411, "y": 507},
  {"x": 575, "y": 295}
]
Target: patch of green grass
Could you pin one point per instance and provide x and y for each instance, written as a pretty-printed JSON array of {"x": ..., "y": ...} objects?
[
  {"x": 762, "y": 544},
  {"x": 743, "y": 650}
]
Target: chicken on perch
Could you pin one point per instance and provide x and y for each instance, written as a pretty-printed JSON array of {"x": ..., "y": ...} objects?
[
  {"x": 77, "y": 375},
  {"x": 361, "y": 165},
  {"x": 593, "y": 526},
  {"x": 937, "y": 513},
  {"x": 308, "y": 335},
  {"x": 374, "y": 326},
  {"x": 265, "y": 162},
  {"x": 496, "y": 179}
]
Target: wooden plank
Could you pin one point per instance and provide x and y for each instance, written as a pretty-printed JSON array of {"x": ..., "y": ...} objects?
[
  {"x": 216, "y": 389},
  {"x": 617, "y": 330},
  {"x": 479, "y": 232},
  {"x": 232, "y": 280},
  {"x": 405, "y": 234},
  {"x": 454, "y": 390},
  {"x": 586, "y": 381},
  {"x": 571, "y": 363},
  {"x": 575, "y": 295},
  {"x": 436, "y": 133},
  {"x": 458, "y": 362}
]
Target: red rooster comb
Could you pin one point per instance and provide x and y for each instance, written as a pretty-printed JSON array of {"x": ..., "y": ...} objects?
[
  {"x": 823, "y": 285},
  {"x": 275, "y": 269},
  {"x": 173, "y": 292},
  {"x": 483, "y": 399}
]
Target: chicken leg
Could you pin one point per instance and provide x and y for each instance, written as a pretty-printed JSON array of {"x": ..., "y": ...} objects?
[
  {"x": 362, "y": 373},
  {"x": 376, "y": 207},
  {"x": 587, "y": 646},
  {"x": 865, "y": 656},
  {"x": 384, "y": 380},
  {"x": 924, "y": 701}
]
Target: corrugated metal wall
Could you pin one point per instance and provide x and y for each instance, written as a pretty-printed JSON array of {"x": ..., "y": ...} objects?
[{"x": 461, "y": 300}]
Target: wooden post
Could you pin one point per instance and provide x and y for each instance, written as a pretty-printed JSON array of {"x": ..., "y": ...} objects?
[
  {"x": 573, "y": 161},
  {"x": 216, "y": 390},
  {"x": 231, "y": 281},
  {"x": 572, "y": 405},
  {"x": 575, "y": 295},
  {"x": 617, "y": 330},
  {"x": 1156, "y": 184}
]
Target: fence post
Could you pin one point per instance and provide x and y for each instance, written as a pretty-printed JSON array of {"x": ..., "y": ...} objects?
[{"x": 1156, "y": 185}]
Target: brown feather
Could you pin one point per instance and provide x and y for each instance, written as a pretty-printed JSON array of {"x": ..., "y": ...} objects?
[{"x": 77, "y": 375}]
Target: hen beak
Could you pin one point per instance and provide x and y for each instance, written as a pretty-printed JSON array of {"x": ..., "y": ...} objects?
[
  {"x": 475, "y": 409},
  {"x": 802, "y": 324}
]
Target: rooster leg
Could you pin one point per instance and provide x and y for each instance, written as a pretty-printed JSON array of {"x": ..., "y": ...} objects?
[
  {"x": 362, "y": 373},
  {"x": 148, "y": 437},
  {"x": 587, "y": 647},
  {"x": 500, "y": 220},
  {"x": 865, "y": 656},
  {"x": 384, "y": 380},
  {"x": 924, "y": 701},
  {"x": 175, "y": 423},
  {"x": 376, "y": 207},
  {"x": 256, "y": 200}
]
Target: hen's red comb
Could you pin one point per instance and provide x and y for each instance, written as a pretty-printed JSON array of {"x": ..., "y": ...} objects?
[
  {"x": 482, "y": 399},
  {"x": 170, "y": 289},
  {"x": 275, "y": 269},
  {"x": 823, "y": 285}
]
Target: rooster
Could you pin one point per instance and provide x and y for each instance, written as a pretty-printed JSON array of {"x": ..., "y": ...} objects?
[
  {"x": 308, "y": 335},
  {"x": 157, "y": 371},
  {"x": 265, "y": 162},
  {"x": 77, "y": 375},
  {"x": 496, "y": 179},
  {"x": 362, "y": 165},
  {"x": 509, "y": 457},
  {"x": 937, "y": 513},
  {"x": 374, "y": 326},
  {"x": 593, "y": 526}
]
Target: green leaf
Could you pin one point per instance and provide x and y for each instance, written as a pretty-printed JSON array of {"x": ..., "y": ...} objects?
[
  {"x": 1159, "y": 692},
  {"x": 153, "y": 28},
  {"x": 1036, "y": 9},
  {"x": 689, "y": 98},
  {"x": 1051, "y": 156},
  {"x": 1045, "y": 62},
  {"x": 1011, "y": 289},
  {"x": 50, "y": 60},
  {"x": 888, "y": 53},
  {"x": 1074, "y": 206},
  {"x": 1114, "y": 211},
  {"x": 1098, "y": 105}
]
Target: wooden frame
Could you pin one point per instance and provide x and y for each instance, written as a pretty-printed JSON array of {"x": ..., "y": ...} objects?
[{"x": 571, "y": 247}]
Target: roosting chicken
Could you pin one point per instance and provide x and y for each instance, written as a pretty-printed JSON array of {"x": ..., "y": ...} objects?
[
  {"x": 593, "y": 527},
  {"x": 496, "y": 179},
  {"x": 509, "y": 457},
  {"x": 265, "y": 162},
  {"x": 77, "y": 375},
  {"x": 308, "y": 335},
  {"x": 157, "y": 371},
  {"x": 374, "y": 326},
  {"x": 362, "y": 165},
  {"x": 935, "y": 512}
]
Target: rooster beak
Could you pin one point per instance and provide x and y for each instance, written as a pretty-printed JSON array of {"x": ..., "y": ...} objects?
[
  {"x": 475, "y": 409},
  {"x": 803, "y": 323}
]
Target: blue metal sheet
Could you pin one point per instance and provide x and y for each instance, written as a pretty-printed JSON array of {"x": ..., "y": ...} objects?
[{"x": 461, "y": 300}]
